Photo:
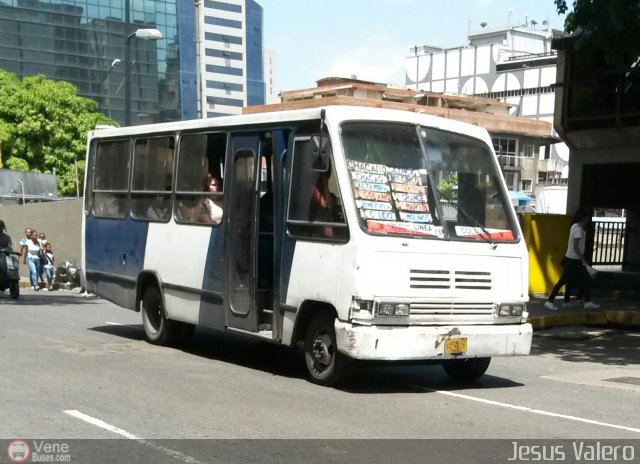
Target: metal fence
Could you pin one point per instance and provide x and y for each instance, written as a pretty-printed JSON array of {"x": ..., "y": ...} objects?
[{"x": 609, "y": 237}]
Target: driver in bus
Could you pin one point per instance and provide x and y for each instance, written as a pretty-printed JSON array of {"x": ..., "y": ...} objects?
[{"x": 322, "y": 203}]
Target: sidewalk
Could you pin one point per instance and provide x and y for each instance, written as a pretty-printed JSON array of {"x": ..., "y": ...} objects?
[
  {"x": 26, "y": 283},
  {"x": 622, "y": 313},
  {"x": 613, "y": 312}
]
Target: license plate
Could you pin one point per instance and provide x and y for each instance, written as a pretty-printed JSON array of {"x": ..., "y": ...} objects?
[{"x": 455, "y": 346}]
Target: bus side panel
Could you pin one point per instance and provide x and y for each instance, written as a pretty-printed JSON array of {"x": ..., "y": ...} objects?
[
  {"x": 115, "y": 253},
  {"x": 188, "y": 260},
  {"x": 309, "y": 272},
  {"x": 211, "y": 307}
]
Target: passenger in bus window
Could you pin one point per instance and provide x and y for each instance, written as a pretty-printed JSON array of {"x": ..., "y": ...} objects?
[
  {"x": 211, "y": 210},
  {"x": 158, "y": 209}
]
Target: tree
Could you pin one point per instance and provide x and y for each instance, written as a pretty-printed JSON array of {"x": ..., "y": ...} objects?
[
  {"x": 44, "y": 126},
  {"x": 610, "y": 26}
]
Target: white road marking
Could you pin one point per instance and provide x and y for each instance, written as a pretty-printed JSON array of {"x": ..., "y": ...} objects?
[
  {"x": 100, "y": 423},
  {"x": 113, "y": 323},
  {"x": 111, "y": 428},
  {"x": 531, "y": 410}
]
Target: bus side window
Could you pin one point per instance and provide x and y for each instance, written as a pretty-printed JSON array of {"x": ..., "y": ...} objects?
[
  {"x": 111, "y": 184},
  {"x": 201, "y": 161},
  {"x": 315, "y": 205},
  {"x": 152, "y": 178}
]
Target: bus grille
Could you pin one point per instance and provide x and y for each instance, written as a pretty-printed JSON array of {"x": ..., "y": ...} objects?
[
  {"x": 438, "y": 279},
  {"x": 452, "y": 309}
]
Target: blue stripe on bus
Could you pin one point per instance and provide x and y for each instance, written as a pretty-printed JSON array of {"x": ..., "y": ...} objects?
[
  {"x": 213, "y": 278},
  {"x": 115, "y": 246}
]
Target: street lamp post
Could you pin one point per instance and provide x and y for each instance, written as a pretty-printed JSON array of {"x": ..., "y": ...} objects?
[
  {"x": 22, "y": 188},
  {"x": 114, "y": 64},
  {"x": 144, "y": 34}
]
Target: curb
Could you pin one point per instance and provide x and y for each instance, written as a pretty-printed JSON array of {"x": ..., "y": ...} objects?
[{"x": 624, "y": 319}]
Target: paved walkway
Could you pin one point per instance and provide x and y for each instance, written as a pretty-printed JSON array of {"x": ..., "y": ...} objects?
[{"x": 612, "y": 312}]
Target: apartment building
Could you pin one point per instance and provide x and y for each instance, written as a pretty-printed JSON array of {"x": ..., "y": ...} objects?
[
  {"x": 516, "y": 65},
  {"x": 230, "y": 56}
]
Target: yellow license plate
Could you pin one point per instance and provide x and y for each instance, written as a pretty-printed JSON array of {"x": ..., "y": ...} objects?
[{"x": 455, "y": 346}]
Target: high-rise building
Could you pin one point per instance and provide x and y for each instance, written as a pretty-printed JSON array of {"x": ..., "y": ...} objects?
[
  {"x": 85, "y": 42},
  {"x": 271, "y": 94},
  {"x": 230, "y": 56},
  {"x": 514, "y": 64}
]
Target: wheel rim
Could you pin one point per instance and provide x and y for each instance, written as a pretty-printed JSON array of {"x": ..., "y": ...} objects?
[
  {"x": 322, "y": 351},
  {"x": 154, "y": 315}
]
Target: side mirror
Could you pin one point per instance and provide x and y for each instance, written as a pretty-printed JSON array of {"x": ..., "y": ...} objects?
[{"x": 321, "y": 149}]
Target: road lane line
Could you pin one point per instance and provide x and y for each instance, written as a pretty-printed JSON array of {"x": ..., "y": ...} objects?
[
  {"x": 531, "y": 410},
  {"x": 111, "y": 428},
  {"x": 101, "y": 424},
  {"x": 113, "y": 323}
]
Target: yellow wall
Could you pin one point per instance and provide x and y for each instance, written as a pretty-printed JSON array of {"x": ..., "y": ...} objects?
[{"x": 546, "y": 236}]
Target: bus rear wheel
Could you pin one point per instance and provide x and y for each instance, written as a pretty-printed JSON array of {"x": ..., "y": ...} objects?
[
  {"x": 325, "y": 364},
  {"x": 157, "y": 328},
  {"x": 466, "y": 370}
]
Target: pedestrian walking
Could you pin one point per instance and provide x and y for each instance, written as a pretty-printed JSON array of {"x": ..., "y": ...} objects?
[
  {"x": 32, "y": 258},
  {"x": 42, "y": 238},
  {"x": 575, "y": 274},
  {"x": 49, "y": 265}
]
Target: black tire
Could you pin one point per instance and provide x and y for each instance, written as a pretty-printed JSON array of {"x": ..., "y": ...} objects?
[
  {"x": 157, "y": 328},
  {"x": 14, "y": 291},
  {"x": 185, "y": 333},
  {"x": 466, "y": 370},
  {"x": 325, "y": 364}
]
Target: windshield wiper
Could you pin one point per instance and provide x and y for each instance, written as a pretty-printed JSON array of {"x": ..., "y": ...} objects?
[{"x": 487, "y": 235}]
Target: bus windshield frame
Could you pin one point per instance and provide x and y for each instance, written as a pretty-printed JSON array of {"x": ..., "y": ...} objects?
[{"x": 424, "y": 182}]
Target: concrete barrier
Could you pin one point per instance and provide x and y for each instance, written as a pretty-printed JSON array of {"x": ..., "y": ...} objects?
[{"x": 60, "y": 220}]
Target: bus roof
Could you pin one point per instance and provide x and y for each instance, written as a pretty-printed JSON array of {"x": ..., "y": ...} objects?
[{"x": 339, "y": 112}]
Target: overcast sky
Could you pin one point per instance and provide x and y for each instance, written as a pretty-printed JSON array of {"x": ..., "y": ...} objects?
[{"x": 371, "y": 38}]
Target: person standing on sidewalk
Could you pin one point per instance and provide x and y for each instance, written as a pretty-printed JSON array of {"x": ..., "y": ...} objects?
[
  {"x": 575, "y": 274},
  {"x": 32, "y": 258}
]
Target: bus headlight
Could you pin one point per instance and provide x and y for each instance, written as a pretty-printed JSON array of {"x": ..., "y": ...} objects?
[
  {"x": 358, "y": 306},
  {"x": 511, "y": 309},
  {"x": 392, "y": 309}
]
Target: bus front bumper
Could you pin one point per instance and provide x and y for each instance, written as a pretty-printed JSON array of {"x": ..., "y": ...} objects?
[{"x": 422, "y": 343}]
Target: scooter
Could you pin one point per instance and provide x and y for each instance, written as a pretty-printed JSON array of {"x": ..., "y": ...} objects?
[{"x": 9, "y": 275}]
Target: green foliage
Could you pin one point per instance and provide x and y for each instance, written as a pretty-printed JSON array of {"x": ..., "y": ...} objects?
[
  {"x": 43, "y": 127},
  {"x": 448, "y": 187},
  {"x": 610, "y": 26}
]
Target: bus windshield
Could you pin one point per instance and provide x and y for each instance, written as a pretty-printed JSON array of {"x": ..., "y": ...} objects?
[{"x": 421, "y": 181}]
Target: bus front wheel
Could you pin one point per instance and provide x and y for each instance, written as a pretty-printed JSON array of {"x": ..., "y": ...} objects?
[
  {"x": 466, "y": 370},
  {"x": 325, "y": 364},
  {"x": 157, "y": 328}
]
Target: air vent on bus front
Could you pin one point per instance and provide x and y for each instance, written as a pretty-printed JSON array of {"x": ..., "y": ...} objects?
[
  {"x": 473, "y": 280},
  {"x": 429, "y": 279},
  {"x": 441, "y": 279}
]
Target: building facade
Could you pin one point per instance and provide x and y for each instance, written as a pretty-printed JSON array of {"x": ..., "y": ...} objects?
[
  {"x": 488, "y": 113},
  {"x": 598, "y": 115},
  {"x": 85, "y": 42},
  {"x": 230, "y": 56},
  {"x": 515, "y": 65}
]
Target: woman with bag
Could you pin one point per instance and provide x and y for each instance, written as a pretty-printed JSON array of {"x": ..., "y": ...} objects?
[{"x": 575, "y": 273}]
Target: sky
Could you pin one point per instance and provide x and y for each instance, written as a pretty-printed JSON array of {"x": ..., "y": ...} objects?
[{"x": 372, "y": 38}]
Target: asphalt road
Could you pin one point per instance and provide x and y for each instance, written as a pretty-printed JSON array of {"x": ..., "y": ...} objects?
[{"x": 78, "y": 368}]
